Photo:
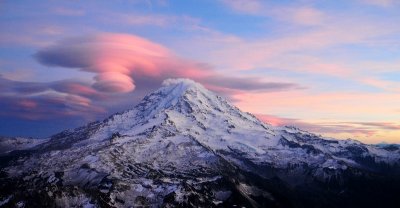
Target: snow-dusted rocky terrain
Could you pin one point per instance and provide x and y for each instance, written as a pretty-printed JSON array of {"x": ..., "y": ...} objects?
[
  {"x": 8, "y": 144},
  {"x": 184, "y": 146}
]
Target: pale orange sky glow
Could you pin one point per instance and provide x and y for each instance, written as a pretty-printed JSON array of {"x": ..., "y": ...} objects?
[{"x": 332, "y": 68}]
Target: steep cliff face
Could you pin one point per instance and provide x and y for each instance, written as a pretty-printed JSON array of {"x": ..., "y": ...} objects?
[{"x": 185, "y": 146}]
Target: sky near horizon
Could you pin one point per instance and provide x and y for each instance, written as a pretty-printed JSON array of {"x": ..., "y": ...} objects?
[{"x": 330, "y": 67}]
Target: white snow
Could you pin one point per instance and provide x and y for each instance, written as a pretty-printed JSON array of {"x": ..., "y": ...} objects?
[
  {"x": 8, "y": 144},
  {"x": 184, "y": 128}
]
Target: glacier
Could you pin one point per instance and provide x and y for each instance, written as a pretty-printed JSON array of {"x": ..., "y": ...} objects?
[{"x": 185, "y": 146}]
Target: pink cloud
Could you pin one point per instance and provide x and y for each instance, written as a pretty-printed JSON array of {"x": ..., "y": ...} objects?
[
  {"x": 49, "y": 106},
  {"x": 389, "y": 86},
  {"x": 320, "y": 105},
  {"x": 27, "y": 104},
  {"x": 78, "y": 88},
  {"x": 275, "y": 120},
  {"x": 113, "y": 57},
  {"x": 362, "y": 129},
  {"x": 119, "y": 61},
  {"x": 302, "y": 15},
  {"x": 366, "y": 116},
  {"x": 51, "y": 100}
]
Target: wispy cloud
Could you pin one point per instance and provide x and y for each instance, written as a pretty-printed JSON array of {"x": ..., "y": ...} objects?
[
  {"x": 322, "y": 63},
  {"x": 290, "y": 13},
  {"x": 303, "y": 15},
  {"x": 33, "y": 100},
  {"x": 121, "y": 63},
  {"x": 245, "y": 6},
  {"x": 120, "y": 59},
  {"x": 153, "y": 20},
  {"x": 248, "y": 54},
  {"x": 363, "y": 129},
  {"x": 379, "y": 125},
  {"x": 381, "y": 3}
]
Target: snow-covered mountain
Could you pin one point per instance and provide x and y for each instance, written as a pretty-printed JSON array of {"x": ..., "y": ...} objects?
[
  {"x": 184, "y": 146},
  {"x": 8, "y": 144}
]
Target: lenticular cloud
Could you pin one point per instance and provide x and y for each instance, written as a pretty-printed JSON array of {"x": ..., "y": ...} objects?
[
  {"x": 120, "y": 61},
  {"x": 115, "y": 58}
]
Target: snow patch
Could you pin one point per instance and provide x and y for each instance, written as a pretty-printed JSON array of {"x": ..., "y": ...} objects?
[{"x": 5, "y": 200}]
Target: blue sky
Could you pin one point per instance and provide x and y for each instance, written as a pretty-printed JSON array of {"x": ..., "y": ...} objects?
[{"x": 331, "y": 67}]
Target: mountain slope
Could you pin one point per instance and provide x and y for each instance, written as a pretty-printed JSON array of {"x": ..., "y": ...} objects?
[
  {"x": 8, "y": 144},
  {"x": 185, "y": 146}
]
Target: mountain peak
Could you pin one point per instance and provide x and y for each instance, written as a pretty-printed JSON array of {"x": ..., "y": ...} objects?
[
  {"x": 175, "y": 93},
  {"x": 180, "y": 81},
  {"x": 181, "y": 85},
  {"x": 183, "y": 145}
]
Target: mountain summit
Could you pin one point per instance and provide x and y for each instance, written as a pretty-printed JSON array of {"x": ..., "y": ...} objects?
[{"x": 184, "y": 146}]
